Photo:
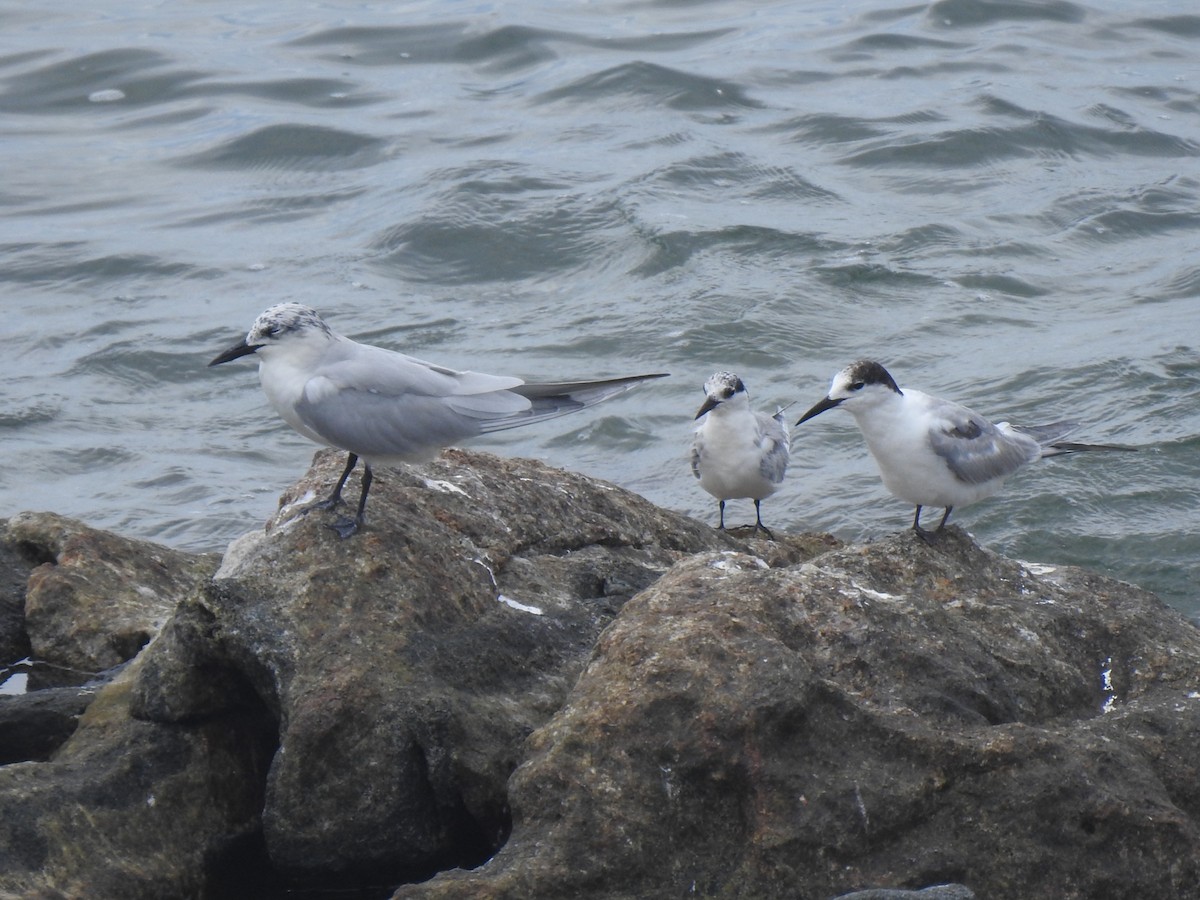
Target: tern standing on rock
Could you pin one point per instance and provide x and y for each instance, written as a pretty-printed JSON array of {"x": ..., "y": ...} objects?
[
  {"x": 933, "y": 452},
  {"x": 385, "y": 407},
  {"x": 738, "y": 453}
]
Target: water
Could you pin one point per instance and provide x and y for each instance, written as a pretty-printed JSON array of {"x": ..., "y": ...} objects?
[{"x": 999, "y": 200}]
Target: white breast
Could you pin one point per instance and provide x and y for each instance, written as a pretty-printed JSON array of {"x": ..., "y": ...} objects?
[
  {"x": 897, "y": 434},
  {"x": 730, "y": 458}
]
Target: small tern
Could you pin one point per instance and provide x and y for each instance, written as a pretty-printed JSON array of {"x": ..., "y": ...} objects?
[
  {"x": 385, "y": 407},
  {"x": 738, "y": 453},
  {"x": 933, "y": 452}
]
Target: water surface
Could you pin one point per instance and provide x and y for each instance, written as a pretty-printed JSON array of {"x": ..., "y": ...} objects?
[{"x": 999, "y": 200}]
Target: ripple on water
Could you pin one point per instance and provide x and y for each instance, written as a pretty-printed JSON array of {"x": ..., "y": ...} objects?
[
  {"x": 547, "y": 231},
  {"x": 67, "y": 85},
  {"x": 650, "y": 84},
  {"x": 66, "y": 263},
  {"x": 506, "y": 49},
  {"x": 974, "y": 13},
  {"x": 733, "y": 177},
  {"x": 293, "y": 146}
]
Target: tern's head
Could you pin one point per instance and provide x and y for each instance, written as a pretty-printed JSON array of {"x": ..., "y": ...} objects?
[
  {"x": 284, "y": 323},
  {"x": 720, "y": 388},
  {"x": 857, "y": 388}
]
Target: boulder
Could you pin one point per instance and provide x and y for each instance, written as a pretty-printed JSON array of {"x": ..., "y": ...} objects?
[
  {"x": 34, "y": 725},
  {"x": 132, "y": 810},
  {"x": 79, "y": 601},
  {"x": 407, "y": 665},
  {"x": 885, "y": 716},
  {"x": 94, "y": 598}
]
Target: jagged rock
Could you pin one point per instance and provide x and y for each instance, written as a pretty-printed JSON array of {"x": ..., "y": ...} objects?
[
  {"x": 34, "y": 725},
  {"x": 97, "y": 598},
  {"x": 132, "y": 810},
  {"x": 894, "y": 715},
  {"x": 407, "y": 665}
]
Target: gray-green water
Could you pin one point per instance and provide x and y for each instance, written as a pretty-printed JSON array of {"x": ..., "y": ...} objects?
[{"x": 999, "y": 200}]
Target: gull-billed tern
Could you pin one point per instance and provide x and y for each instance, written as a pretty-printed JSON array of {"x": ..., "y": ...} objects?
[
  {"x": 933, "y": 452},
  {"x": 384, "y": 406},
  {"x": 738, "y": 453}
]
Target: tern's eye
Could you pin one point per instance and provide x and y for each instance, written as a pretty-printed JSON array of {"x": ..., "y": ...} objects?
[{"x": 857, "y": 386}]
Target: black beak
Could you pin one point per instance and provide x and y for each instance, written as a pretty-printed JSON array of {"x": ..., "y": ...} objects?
[
  {"x": 827, "y": 403},
  {"x": 237, "y": 350},
  {"x": 709, "y": 403}
]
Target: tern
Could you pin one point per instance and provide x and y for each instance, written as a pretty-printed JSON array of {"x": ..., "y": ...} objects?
[
  {"x": 385, "y": 407},
  {"x": 933, "y": 452},
  {"x": 738, "y": 453}
]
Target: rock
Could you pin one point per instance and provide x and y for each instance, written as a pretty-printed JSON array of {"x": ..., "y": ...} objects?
[
  {"x": 97, "y": 598},
  {"x": 894, "y": 715},
  {"x": 407, "y": 665},
  {"x": 580, "y": 695},
  {"x": 132, "y": 810},
  {"x": 34, "y": 725}
]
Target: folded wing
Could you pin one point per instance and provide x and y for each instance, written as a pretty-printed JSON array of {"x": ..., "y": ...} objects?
[
  {"x": 775, "y": 444},
  {"x": 977, "y": 451},
  {"x": 389, "y": 407}
]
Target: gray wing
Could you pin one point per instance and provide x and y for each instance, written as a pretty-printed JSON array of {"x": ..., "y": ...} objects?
[
  {"x": 976, "y": 450},
  {"x": 697, "y": 451},
  {"x": 382, "y": 427},
  {"x": 348, "y": 364},
  {"x": 776, "y": 446},
  {"x": 385, "y": 405}
]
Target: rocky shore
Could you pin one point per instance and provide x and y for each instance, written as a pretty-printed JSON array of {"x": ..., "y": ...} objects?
[{"x": 522, "y": 683}]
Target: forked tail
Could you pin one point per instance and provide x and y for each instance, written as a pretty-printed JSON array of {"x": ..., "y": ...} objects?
[
  {"x": 552, "y": 399},
  {"x": 1050, "y": 437},
  {"x": 1060, "y": 447}
]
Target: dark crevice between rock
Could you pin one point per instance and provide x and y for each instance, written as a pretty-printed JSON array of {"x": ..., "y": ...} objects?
[
  {"x": 36, "y": 554},
  {"x": 240, "y": 868},
  {"x": 467, "y": 841},
  {"x": 34, "y": 724},
  {"x": 128, "y": 644}
]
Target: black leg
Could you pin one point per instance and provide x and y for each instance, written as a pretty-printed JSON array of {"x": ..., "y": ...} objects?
[
  {"x": 722, "y": 525},
  {"x": 758, "y": 521},
  {"x": 346, "y": 526},
  {"x": 930, "y": 537},
  {"x": 926, "y": 536},
  {"x": 336, "y": 497}
]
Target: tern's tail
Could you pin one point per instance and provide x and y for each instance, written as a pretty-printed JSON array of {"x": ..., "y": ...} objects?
[
  {"x": 552, "y": 399},
  {"x": 1046, "y": 435},
  {"x": 1060, "y": 447},
  {"x": 1050, "y": 437}
]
